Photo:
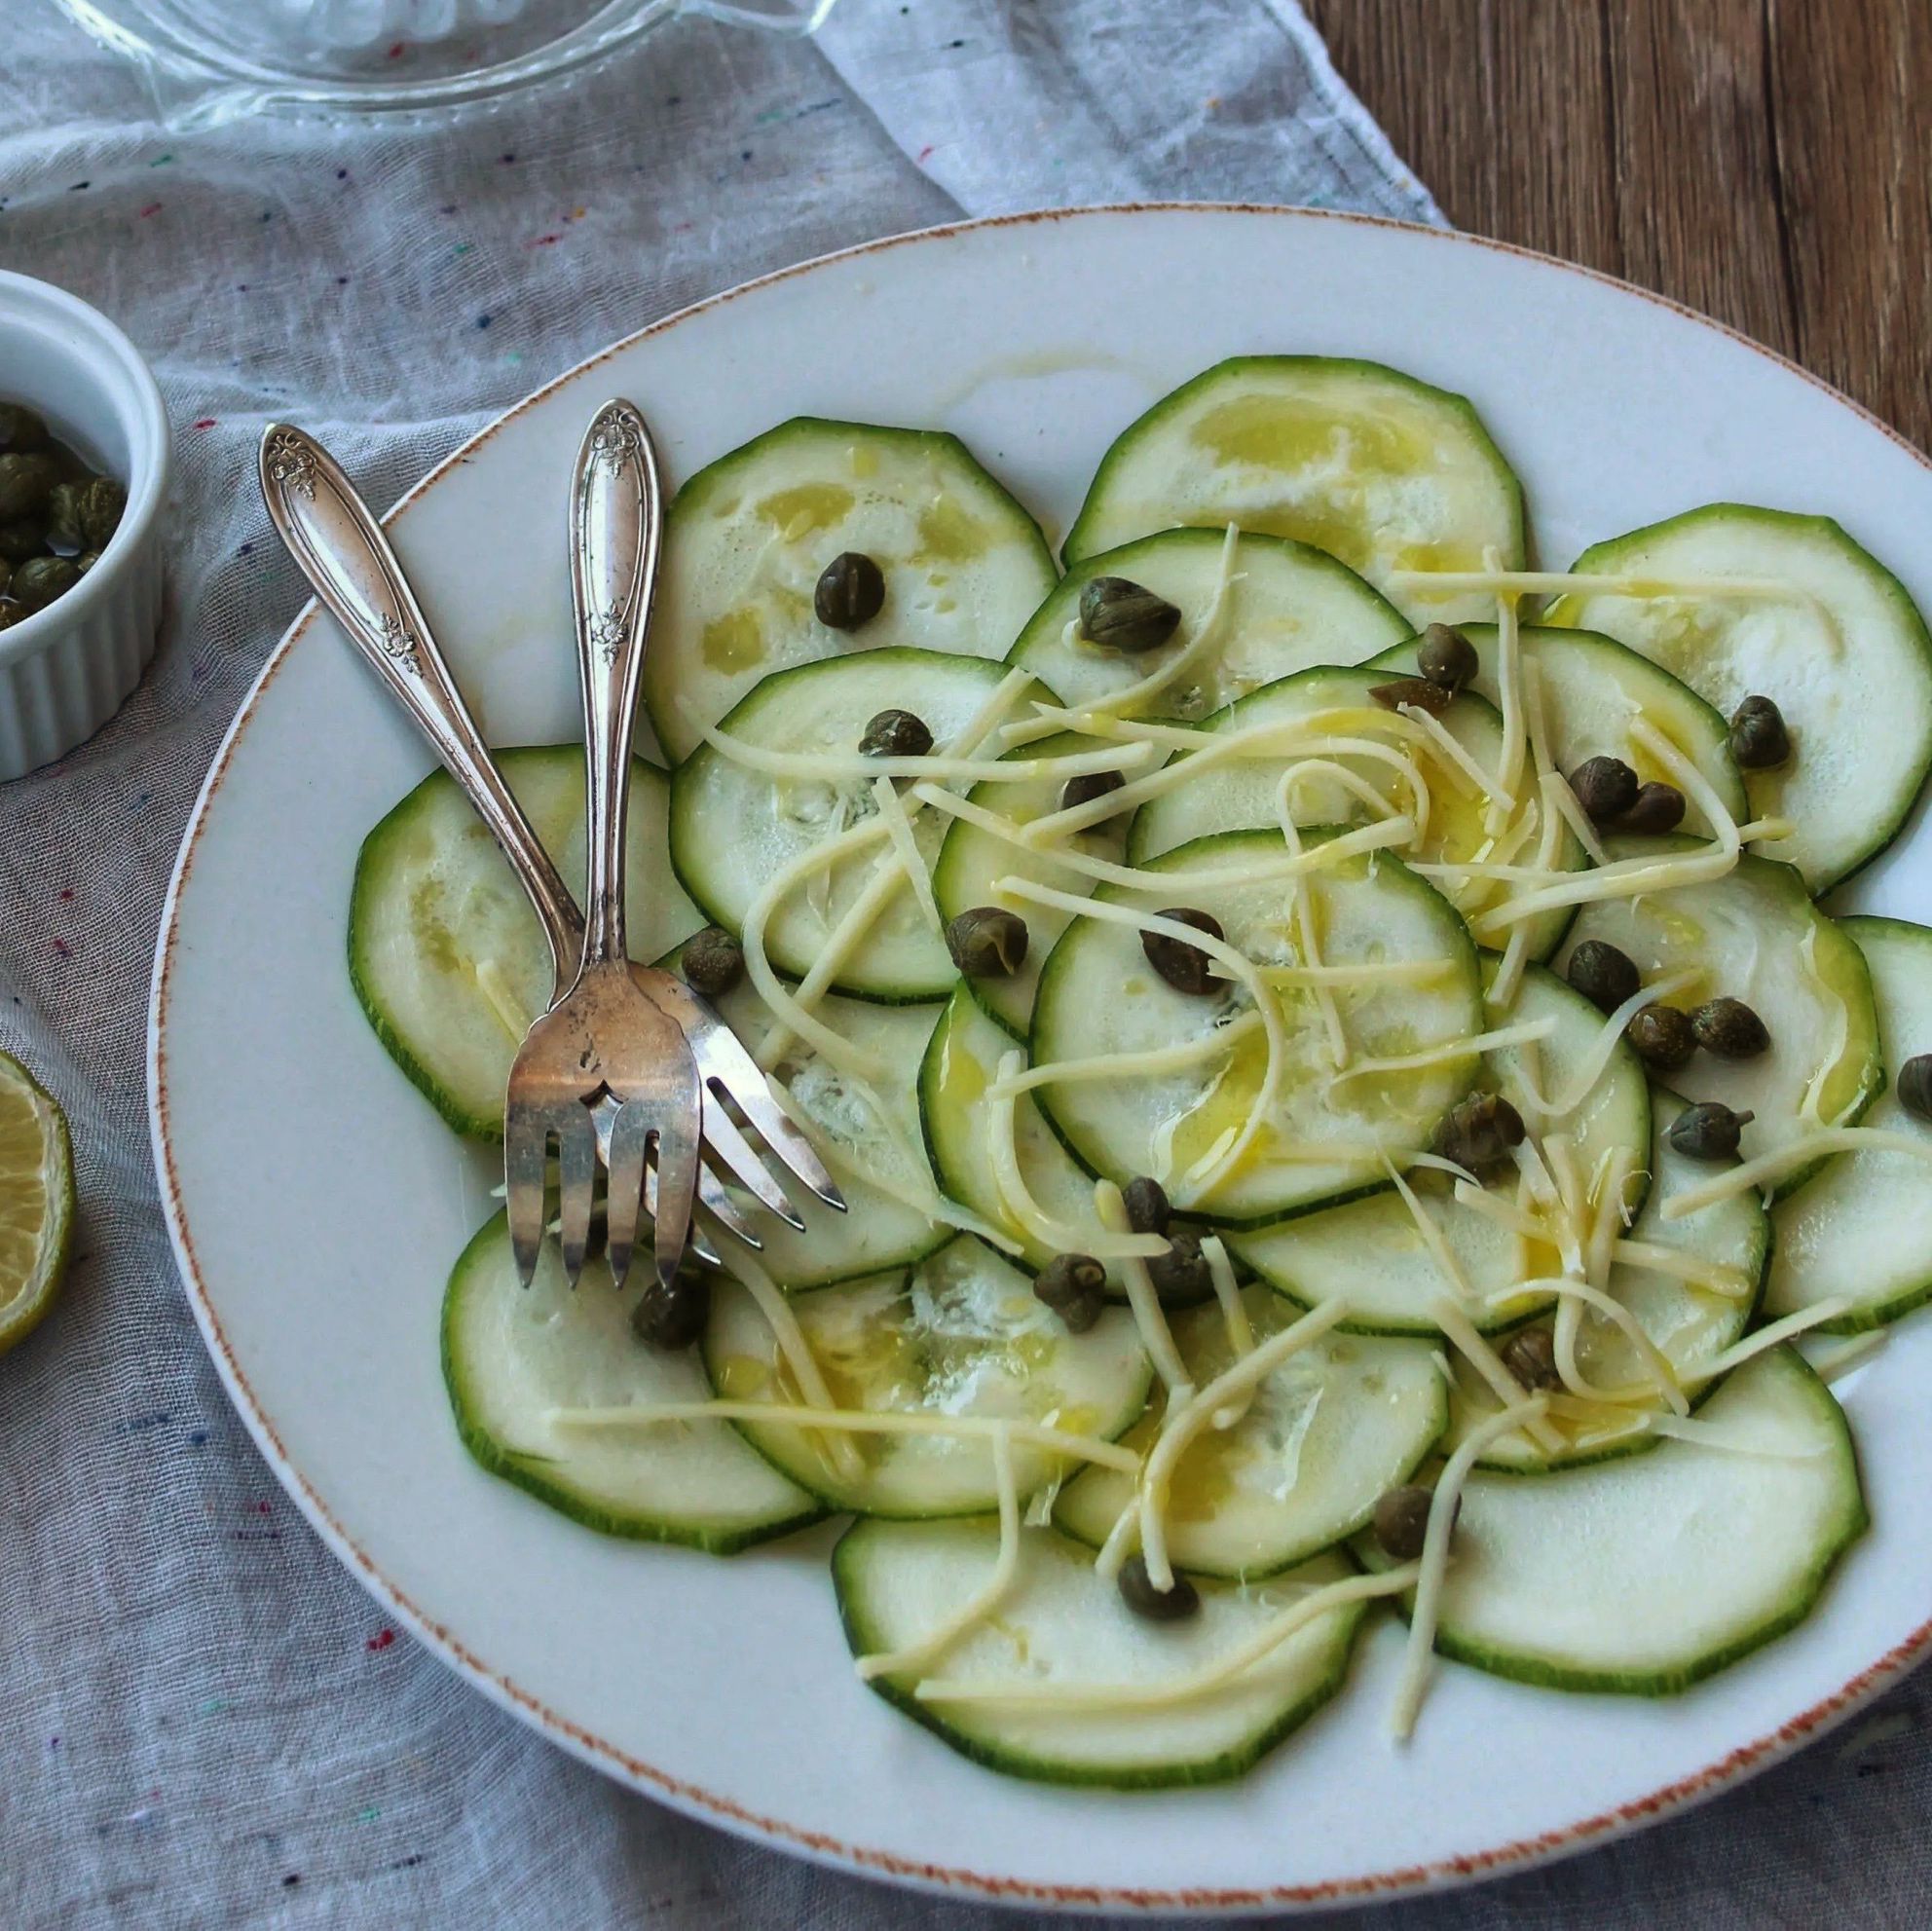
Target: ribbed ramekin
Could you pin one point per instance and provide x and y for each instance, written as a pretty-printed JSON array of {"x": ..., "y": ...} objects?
[{"x": 68, "y": 668}]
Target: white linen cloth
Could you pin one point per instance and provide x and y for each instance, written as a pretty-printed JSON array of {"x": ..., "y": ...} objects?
[{"x": 203, "y": 1722}]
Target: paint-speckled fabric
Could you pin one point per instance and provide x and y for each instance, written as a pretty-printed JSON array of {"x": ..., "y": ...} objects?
[{"x": 203, "y": 1722}]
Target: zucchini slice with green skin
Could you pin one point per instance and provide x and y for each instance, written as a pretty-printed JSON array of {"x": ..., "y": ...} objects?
[
  {"x": 1690, "y": 1325},
  {"x": 1099, "y": 995},
  {"x": 1370, "y": 464},
  {"x": 1755, "y": 935},
  {"x": 1863, "y": 1228},
  {"x": 445, "y": 953},
  {"x": 1060, "y": 1623},
  {"x": 1276, "y": 607},
  {"x": 1242, "y": 793},
  {"x": 1643, "y": 1575},
  {"x": 512, "y": 1354},
  {"x": 972, "y": 861},
  {"x": 962, "y": 1334},
  {"x": 748, "y": 537},
  {"x": 962, "y": 1060},
  {"x": 1846, "y": 657},
  {"x": 733, "y": 828},
  {"x": 1327, "y": 1433},
  {"x": 1369, "y": 1251},
  {"x": 1592, "y": 688}
]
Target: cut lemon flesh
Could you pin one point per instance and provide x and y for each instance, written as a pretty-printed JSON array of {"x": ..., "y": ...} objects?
[{"x": 36, "y": 1202}]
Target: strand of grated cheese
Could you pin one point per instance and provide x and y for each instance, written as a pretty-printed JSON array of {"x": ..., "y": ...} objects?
[
  {"x": 1849, "y": 1355},
  {"x": 1234, "y": 1318},
  {"x": 1462, "y": 1331},
  {"x": 1206, "y": 634},
  {"x": 1458, "y": 758},
  {"x": 1711, "y": 1278},
  {"x": 1311, "y": 936},
  {"x": 906, "y": 848},
  {"x": 796, "y": 1351},
  {"x": 1524, "y": 1031},
  {"x": 1774, "y": 1165},
  {"x": 1811, "y": 1107},
  {"x": 1148, "y": 1063},
  {"x": 1604, "y": 1046},
  {"x": 1144, "y": 1303},
  {"x": 502, "y": 1003},
  {"x": 1510, "y": 690},
  {"x": 1361, "y": 972},
  {"x": 984, "y": 1601},
  {"x": 862, "y": 766},
  {"x": 1578, "y": 1294},
  {"x": 1305, "y": 769},
  {"x": 1716, "y": 1434},
  {"x": 1412, "y": 1684},
  {"x": 1031, "y": 1693}
]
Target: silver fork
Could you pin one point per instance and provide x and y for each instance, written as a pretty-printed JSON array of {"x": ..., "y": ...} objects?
[{"x": 346, "y": 557}]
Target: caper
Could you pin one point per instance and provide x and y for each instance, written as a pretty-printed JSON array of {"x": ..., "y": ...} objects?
[
  {"x": 1662, "y": 1037},
  {"x": 1479, "y": 1132},
  {"x": 1447, "y": 657},
  {"x": 23, "y": 539},
  {"x": 25, "y": 483},
  {"x": 1086, "y": 786},
  {"x": 1075, "y": 1287},
  {"x": 64, "y": 516},
  {"x": 1123, "y": 615},
  {"x": 37, "y": 582},
  {"x": 11, "y": 614},
  {"x": 1656, "y": 808},
  {"x": 86, "y": 561},
  {"x": 1401, "y": 1520},
  {"x": 21, "y": 430},
  {"x": 1530, "y": 1354},
  {"x": 673, "y": 1316},
  {"x": 1758, "y": 736},
  {"x": 1604, "y": 787},
  {"x": 986, "y": 943},
  {"x": 1138, "y": 1593},
  {"x": 6, "y": 574},
  {"x": 1708, "y": 1130},
  {"x": 1419, "y": 691},
  {"x": 1186, "y": 968},
  {"x": 850, "y": 591},
  {"x": 712, "y": 962},
  {"x": 1914, "y": 1085},
  {"x": 101, "y": 504},
  {"x": 1146, "y": 1204},
  {"x": 1181, "y": 1276},
  {"x": 1729, "y": 1028},
  {"x": 1602, "y": 974},
  {"x": 896, "y": 735}
]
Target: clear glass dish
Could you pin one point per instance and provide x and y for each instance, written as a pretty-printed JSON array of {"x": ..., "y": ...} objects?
[{"x": 208, "y": 62}]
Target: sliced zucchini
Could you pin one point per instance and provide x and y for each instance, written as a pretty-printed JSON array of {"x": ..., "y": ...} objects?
[
  {"x": 1844, "y": 653},
  {"x": 1274, "y": 607},
  {"x": 1647, "y": 1575},
  {"x": 1755, "y": 935},
  {"x": 512, "y": 1356},
  {"x": 961, "y": 1062},
  {"x": 972, "y": 859},
  {"x": 962, "y": 1334},
  {"x": 1060, "y": 1623},
  {"x": 1382, "y": 470},
  {"x": 875, "y": 1150},
  {"x": 1863, "y": 1228},
  {"x": 1245, "y": 793},
  {"x": 444, "y": 952},
  {"x": 1592, "y": 688},
  {"x": 749, "y": 537},
  {"x": 1690, "y": 1325},
  {"x": 1370, "y": 1250},
  {"x": 1099, "y": 995},
  {"x": 733, "y": 828},
  {"x": 1327, "y": 1433}
]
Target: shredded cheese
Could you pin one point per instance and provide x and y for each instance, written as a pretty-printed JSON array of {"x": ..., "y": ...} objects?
[
  {"x": 905, "y": 847},
  {"x": 796, "y": 1351},
  {"x": 1770, "y": 1168},
  {"x": 862, "y": 766},
  {"x": 1488, "y": 1363},
  {"x": 1155, "y": 1334},
  {"x": 1520, "y": 1035},
  {"x": 1148, "y": 1063}
]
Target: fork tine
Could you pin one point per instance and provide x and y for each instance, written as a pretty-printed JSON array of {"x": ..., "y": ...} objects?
[
  {"x": 677, "y": 1188},
  {"x": 721, "y": 1206},
  {"x": 722, "y": 1138},
  {"x": 630, "y": 1142},
  {"x": 727, "y": 1066},
  {"x": 577, "y": 1159},
  {"x": 526, "y": 1182}
]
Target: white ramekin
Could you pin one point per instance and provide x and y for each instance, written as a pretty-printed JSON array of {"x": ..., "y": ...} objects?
[{"x": 67, "y": 669}]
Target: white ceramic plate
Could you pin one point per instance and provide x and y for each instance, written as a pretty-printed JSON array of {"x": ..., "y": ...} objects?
[{"x": 317, "y": 1202}]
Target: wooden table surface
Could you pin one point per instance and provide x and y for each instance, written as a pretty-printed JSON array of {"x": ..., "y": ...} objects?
[{"x": 1769, "y": 162}]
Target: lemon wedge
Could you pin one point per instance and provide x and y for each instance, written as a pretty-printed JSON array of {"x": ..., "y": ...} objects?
[{"x": 36, "y": 1202}]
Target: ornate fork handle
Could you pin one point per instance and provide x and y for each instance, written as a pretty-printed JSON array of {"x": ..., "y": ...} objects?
[{"x": 345, "y": 555}]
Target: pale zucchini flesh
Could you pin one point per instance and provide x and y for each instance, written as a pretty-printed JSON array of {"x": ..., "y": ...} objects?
[
  {"x": 1099, "y": 995},
  {"x": 1060, "y": 1625},
  {"x": 1845, "y": 655},
  {"x": 1274, "y": 607},
  {"x": 444, "y": 952},
  {"x": 1382, "y": 470},
  {"x": 1746, "y": 936},
  {"x": 1861, "y": 1229},
  {"x": 748, "y": 538},
  {"x": 1645, "y": 1575},
  {"x": 1326, "y": 1434},
  {"x": 514, "y": 1356},
  {"x": 961, "y": 1334}
]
